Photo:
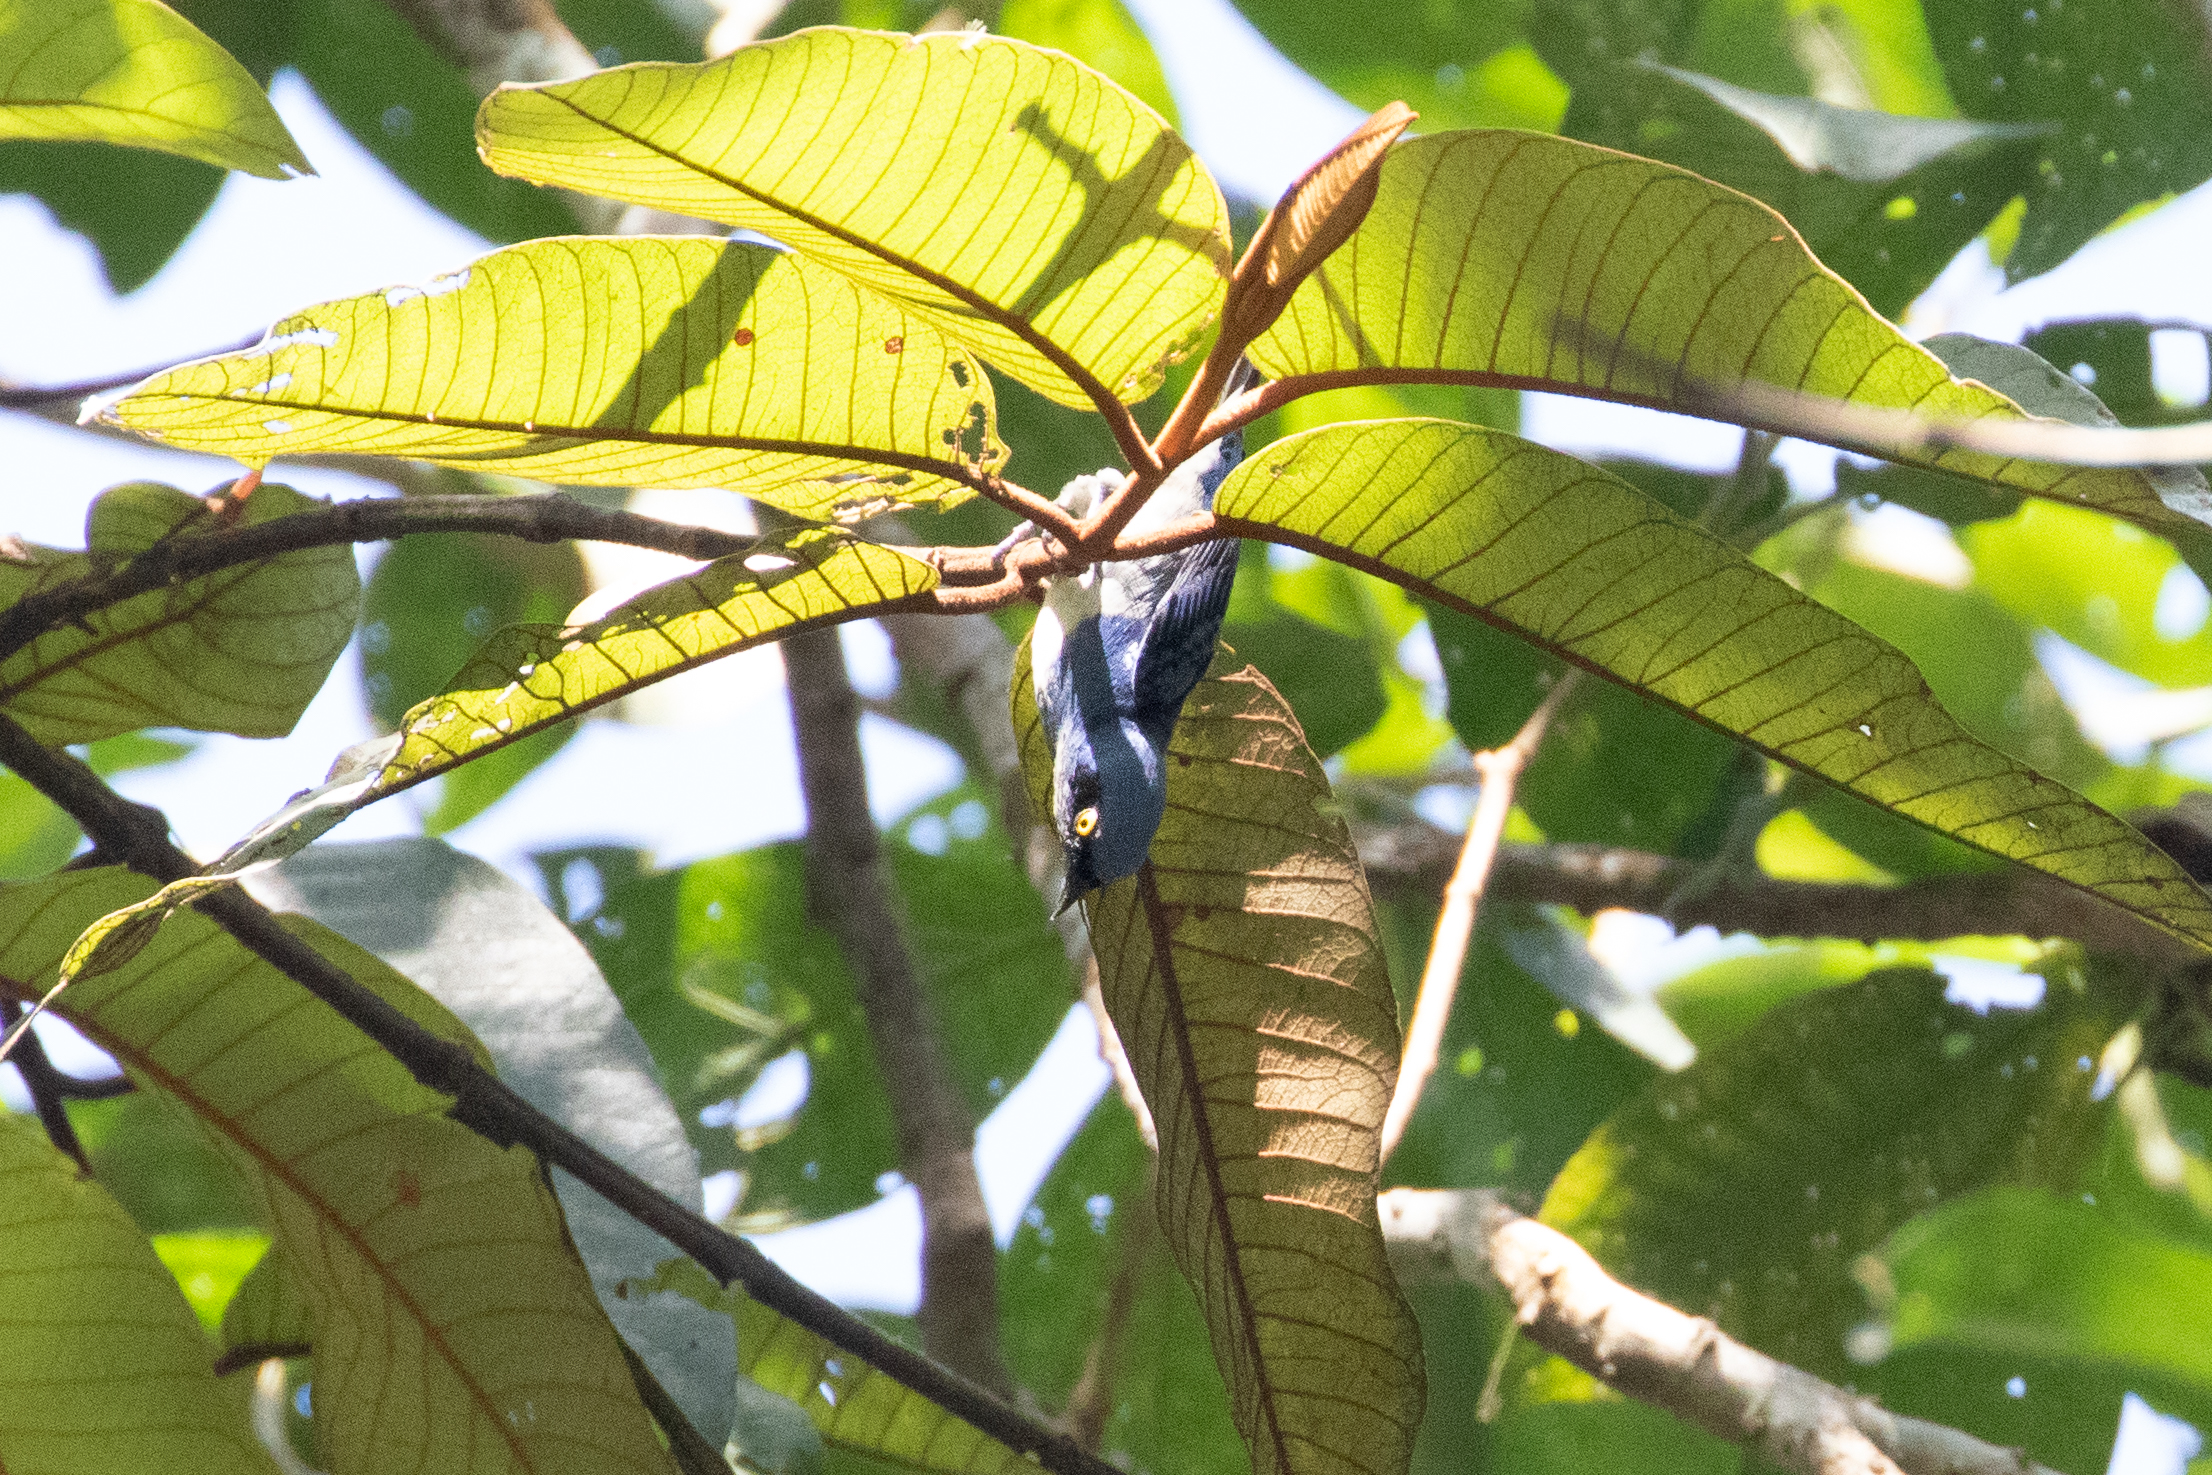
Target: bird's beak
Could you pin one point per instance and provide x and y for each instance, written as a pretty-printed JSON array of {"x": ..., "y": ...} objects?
[{"x": 1070, "y": 894}]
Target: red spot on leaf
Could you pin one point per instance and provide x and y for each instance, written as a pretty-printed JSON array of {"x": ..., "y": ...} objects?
[
  {"x": 407, "y": 1188},
  {"x": 743, "y": 338},
  {"x": 894, "y": 345}
]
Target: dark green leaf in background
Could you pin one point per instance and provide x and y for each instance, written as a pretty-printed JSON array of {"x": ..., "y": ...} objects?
[
  {"x": 2112, "y": 356},
  {"x": 2129, "y": 82},
  {"x": 1745, "y": 1187},
  {"x": 415, "y": 111},
  {"x": 1459, "y": 63}
]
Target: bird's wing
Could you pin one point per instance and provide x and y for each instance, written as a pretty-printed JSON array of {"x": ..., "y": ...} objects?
[{"x": 1179, "y": 639}]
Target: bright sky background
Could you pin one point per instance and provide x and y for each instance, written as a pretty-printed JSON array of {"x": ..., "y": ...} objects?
[{"x": 709, "y": 767}]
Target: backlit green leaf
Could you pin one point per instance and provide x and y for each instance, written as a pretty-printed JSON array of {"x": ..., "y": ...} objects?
[
  {"x": 239, "y": 651},
  {"x": 528, "y": 677},
  {"x": 663, "y": 360},
  {"x": 1100, "y": 34},
  {"x": 1030, "y": 207},
  {"x": 1243, "y": 969},
  {"x": 135, "y": 72},
  {"x": 1564, "y": 555},
  {"x": 103, "y": 1368},
  {"x": 450, "y": 1310},
  {"x": 1510, "y": 258}
]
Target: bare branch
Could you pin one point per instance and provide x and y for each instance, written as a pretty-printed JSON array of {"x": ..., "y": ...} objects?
[
  {"x": 137, "y": 836},
  {"x": 542, "y": 518},
  {"x": 48, "y": 1094},
  {"x": 1565, "y": 1303},
  {"x": 1500, "y": 769},
  {"x": 1091, "y": 1401},
  {"x": 1415, "y": 858},
  {"x": 850, "y": 891}
]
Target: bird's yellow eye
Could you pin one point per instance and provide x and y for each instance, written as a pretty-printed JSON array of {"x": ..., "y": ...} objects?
[{"x": 1086, "y": 820}]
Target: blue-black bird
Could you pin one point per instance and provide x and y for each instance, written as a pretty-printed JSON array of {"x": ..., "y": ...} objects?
[{"x": 1116, "y": 651}]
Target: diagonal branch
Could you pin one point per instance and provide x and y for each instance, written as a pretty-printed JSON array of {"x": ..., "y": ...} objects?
[
  {"x": 1565, "y": 1303},
  {"x": 1500, "y": 769},
  {"x": 138, "y": 837},
  {"x": 850, "y": 891},
  {"x": 49, "y": 1093}
]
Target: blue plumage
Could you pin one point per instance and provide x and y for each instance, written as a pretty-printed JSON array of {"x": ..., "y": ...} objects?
[{"x": 1117, "y": 650}]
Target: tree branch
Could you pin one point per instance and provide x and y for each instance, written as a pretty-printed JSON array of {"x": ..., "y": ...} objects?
[
  {"x": 1414, "y": 858},
  {"x": 538, "y": 518},
  {"x": 1500, "y": 769},
  {"x": 1565, "y": 1303},
  {"x": 48, "y": 1095},
  {"x": 850, "y": 891},
  {"x": 138, "y": 837}
]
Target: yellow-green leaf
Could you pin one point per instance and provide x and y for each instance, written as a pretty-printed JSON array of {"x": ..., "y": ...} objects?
[
  {"x": 103, "y": 1367},
  {"x": 241, "y": 651},
  {"x": 528, "y": 677},
  {"x": 671, "y": 361},
  {"x": 1520, "y": 259},
  {"x": 451, "y": 1314},
  {"x": 135, "y": 72},
  {"x": 1032, "y": 208},
  {"x": 1563, "y": 554},
  {"x": 852, "y": 1405},
  {"x": 1243, "y": 969},
  {"x": 211, "y": 1266}
]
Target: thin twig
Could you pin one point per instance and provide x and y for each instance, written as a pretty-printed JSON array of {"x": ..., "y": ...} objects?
[
  {"x": 1413, "y": 859},
  {"x": 850, "y": 890},
  {"x": 1091, "y": 1401},
  {"x": 1565, "y": 1303},
  {"x": 138, "y": 836},
  {"x": 1500, "y": 769},
  {"x": 540, "y": 518},
  {"x": 44, "y": 1082},
  {"x": 39, "y": 398}
]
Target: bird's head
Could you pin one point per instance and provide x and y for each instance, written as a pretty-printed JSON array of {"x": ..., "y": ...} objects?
[{"x": 1108, "y": 797}]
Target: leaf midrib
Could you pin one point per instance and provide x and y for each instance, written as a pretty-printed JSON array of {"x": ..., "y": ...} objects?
[
  {"x": 1148, "y": 901},
  {"x": 953, "y": 471},
  {"x": 205, "y": 1111}
]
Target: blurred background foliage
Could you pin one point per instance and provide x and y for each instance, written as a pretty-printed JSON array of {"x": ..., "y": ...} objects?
[{"x": 1945, "y": 1206}]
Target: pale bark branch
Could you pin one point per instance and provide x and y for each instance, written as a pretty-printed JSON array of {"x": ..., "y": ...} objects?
[
  {"x": 851, "y": 892},
  {"x": 1565, "y": 1303},
  {"x": 1500, "y": 770}
]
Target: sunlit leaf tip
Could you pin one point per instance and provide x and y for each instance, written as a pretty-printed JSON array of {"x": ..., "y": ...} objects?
[
  {"x": 134, "y": 72},
  {"x": 1096, "y": 256}
]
